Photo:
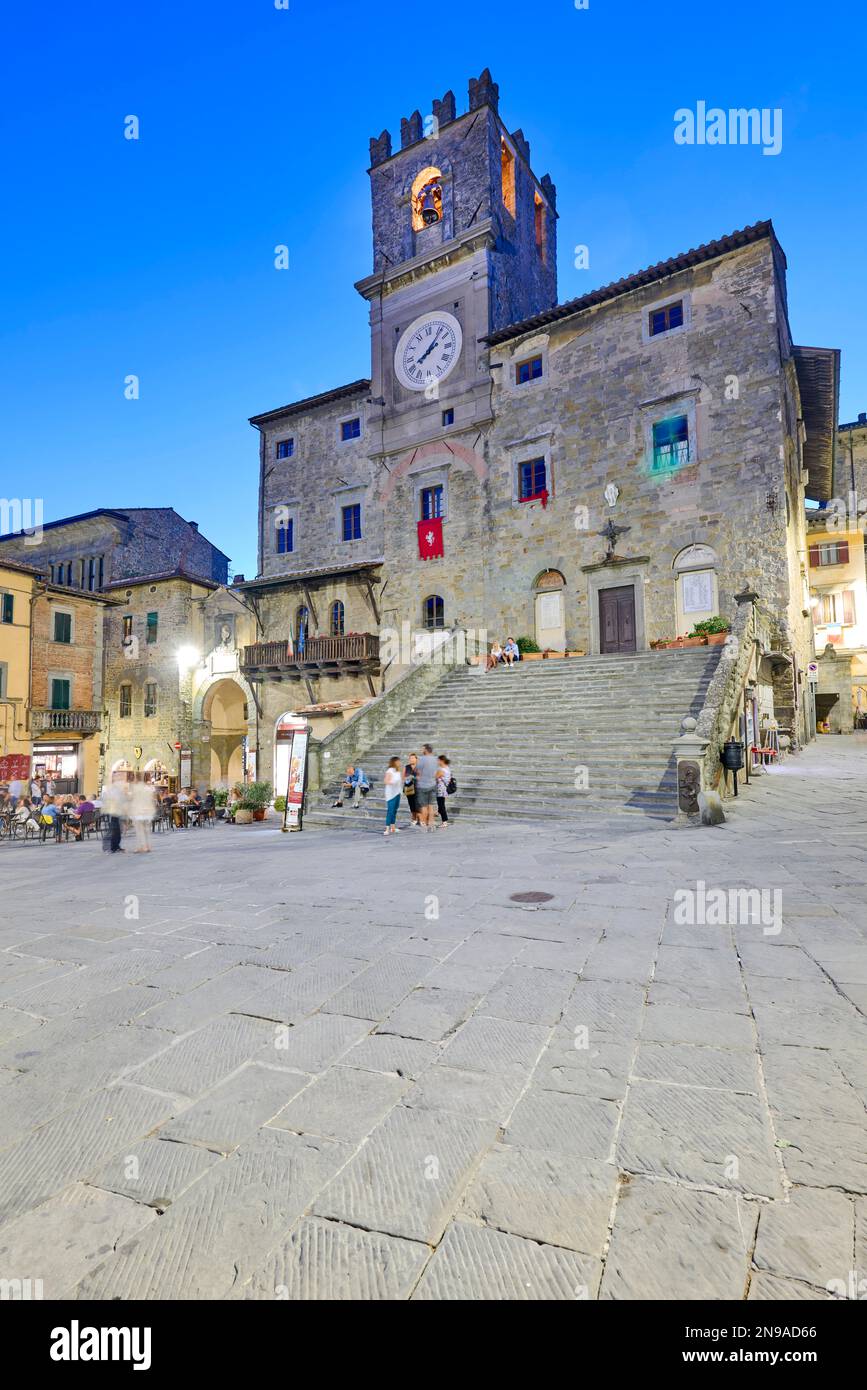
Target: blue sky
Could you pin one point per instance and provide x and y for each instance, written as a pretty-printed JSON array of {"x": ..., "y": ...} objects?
[{"x": 156, "y": 257}]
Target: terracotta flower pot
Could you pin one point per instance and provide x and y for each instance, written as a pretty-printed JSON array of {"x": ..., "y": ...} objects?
[
  {"x": 691, "y": 641},
  {"x": 716, "y": 639},
  {"x": 259, "y": 813}
]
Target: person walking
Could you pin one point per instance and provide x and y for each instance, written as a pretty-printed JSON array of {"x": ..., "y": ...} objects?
[
  {"x": 444, "y": 781},
  {"x": 409, "y": 787},
  {"x": 426, "y": 787},
  {"x": 142, "y": 809},
  {"x": 393, "y": 782},
  {"x": 115, "y": 805}
]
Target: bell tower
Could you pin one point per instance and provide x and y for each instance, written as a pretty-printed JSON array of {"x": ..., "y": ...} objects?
[{"x": 464, "y": 243}]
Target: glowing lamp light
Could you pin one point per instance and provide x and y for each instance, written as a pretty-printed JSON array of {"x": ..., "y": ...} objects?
[{"x": 188, "y": 657}]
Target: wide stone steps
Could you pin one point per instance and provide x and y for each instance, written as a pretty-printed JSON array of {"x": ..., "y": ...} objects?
[{"x": 517, "y": 737}]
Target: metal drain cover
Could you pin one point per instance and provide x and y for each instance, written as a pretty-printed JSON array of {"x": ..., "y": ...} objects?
[{"x": 531, "y": 897}]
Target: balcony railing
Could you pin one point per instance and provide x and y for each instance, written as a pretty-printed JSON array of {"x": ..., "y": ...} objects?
[
  {"x": 67, "y": 721},
  {"x": 359, "y": 652}
]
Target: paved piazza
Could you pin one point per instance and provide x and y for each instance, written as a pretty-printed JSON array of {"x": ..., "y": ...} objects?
[{"x": 333, "y": 1066}]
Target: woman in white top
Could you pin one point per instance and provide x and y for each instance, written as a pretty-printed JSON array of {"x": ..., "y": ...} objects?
[
  {"x": 393, "y": 783},
  {"x": 142, "y": 809}
]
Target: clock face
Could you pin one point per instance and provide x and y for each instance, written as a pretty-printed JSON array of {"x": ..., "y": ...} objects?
[{"x": 428, "y": 350}]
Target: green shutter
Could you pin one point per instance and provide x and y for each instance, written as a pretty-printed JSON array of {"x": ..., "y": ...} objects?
[
  {"x": 8, "y": 614},
  {"x": 59, "y": 694}
]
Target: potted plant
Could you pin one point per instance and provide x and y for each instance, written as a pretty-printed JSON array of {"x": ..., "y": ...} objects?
[
  {"x": 256, "y": 798},
  {"x": 220, "y": 799},
  {"x": 714, "y": 630},
  {"x": 529, "y": 649},
  {"x": 698, "y": 641},
  {"x": 280, "y": 805}
]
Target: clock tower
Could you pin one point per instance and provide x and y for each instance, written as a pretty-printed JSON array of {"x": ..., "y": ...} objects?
[{"x": 464, "y": 243}]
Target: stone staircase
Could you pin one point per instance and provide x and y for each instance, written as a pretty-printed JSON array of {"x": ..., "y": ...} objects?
[{"x": 516, "y": 738}]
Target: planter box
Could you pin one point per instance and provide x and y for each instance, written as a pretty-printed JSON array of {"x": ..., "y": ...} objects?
[
  {"x": 243, "y": 817},
  {"x": 716, "y": 639},
  {"x": 531, "y": 656}
]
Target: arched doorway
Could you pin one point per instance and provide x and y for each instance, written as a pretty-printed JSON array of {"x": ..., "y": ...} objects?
[
  {"x": 225, "y": 708},
  {"x": 550, "y": 611}
]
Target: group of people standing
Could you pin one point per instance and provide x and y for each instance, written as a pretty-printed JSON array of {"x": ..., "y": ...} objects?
[{"x": 426, "y": 781}]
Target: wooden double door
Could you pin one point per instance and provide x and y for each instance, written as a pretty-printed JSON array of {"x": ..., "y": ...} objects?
[{"x": 617, "y": 620}]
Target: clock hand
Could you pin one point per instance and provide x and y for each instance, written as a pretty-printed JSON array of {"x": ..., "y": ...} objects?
[{"x": 429, "y": 351}]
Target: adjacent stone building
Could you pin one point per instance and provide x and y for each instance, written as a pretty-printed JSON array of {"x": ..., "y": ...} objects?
[
  {"x": 178, "y": 710},
  {"x": 98, "y": 548},
  {"x": 51, "y": 680},
  {"x": 594, "y": 476},
  {"x": 838, "y": 587}
]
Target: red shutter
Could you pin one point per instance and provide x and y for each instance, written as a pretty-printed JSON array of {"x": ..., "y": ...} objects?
[
  {"x": 848, "y": 606},
  {"x": 842, "y": 552},
  {"x": 814, "y": 557}
]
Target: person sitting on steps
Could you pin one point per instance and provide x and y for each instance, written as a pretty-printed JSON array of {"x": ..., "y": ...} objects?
[{"x": 356, "y": 782}]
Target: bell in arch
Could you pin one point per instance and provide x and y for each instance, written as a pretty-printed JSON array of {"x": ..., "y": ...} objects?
[{"x": 429, "y": 211}]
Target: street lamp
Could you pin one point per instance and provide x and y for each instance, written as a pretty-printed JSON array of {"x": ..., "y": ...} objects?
[{"x": 188, "y": 657}]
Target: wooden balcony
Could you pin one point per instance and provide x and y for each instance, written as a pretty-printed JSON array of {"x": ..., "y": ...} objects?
[
  {"x": 323, "y": 656},
  {"x": 65, "y": 721}
]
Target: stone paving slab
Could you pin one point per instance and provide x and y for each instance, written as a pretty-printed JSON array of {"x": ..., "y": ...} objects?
[
  {"x": 389, "y": 1053},
  {"x": 700, "y": 1135},
  {"x": 325, "y": 1260},
  {"x": 581, "y": 1126},
  {"x": 236, "y": 1108},
  {"x": 809, "y": 1238},
  {"x": 410, "y": 1175},
  {"x": 547, "y": 1197},
  {"x": 601, "y": 1068},
  {"x": 477, "y": 1094},
  {"x": 475, "y": 1263},
  {"x": 494, "y": 1045},
  {"x": 217, "y": 1233},
  {"x": 676, "y": 1244},
  {"x": 343, "y": 1104},
  {"x": 201, "y": 1059},
  {"x": 60, "y": 1241},
  {"x": 154, "y": 1172},
  {"x": 430, "y": 1014},
  {"x": 66, "y": 1148}
]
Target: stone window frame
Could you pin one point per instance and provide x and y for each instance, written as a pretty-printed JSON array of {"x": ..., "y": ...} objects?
[
  {"x": 291, "y": 512},
  {"x": 536, "y": 347},
  {"x": 539, "y": 448},
  {"x": 70, "y": 613},
  {"x": 648, "y": 309},
  {"x": 655, "y": 412},
  {"x": 122, "y": 686},
  {"x": 286, "y": 439},
  {"x": 146, "y": 712},
  {"x": 354, "y": 494},
  {"x": 52, "y": 676},
  {"x": 435, "y": 476},
  {"x": 345, "y": 420}
]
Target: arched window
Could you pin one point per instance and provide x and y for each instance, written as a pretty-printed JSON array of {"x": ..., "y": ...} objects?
[
  {"x": 337, "y": 616},
  {"x": 434, "y": 612},
  {"x": 426, "y": 199}
]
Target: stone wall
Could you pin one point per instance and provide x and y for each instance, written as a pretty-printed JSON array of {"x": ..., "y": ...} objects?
[{"x": 322, "y": 476}]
